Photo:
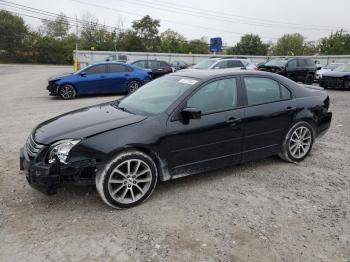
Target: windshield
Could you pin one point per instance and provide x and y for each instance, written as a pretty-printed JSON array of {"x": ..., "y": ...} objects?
[
  {"x": 205, "y": 64},
  {"x": 332, "y": 66},
  {"x": 343, "y": 68},
  {"x": 276, "y": 62},
  {"x": 156, "y": 96}
]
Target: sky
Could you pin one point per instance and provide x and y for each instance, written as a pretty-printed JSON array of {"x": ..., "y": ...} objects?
[{"x": 229, "y": 19}]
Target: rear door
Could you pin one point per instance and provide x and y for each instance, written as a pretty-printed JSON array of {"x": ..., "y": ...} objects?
[
  {"x": 216, "y": 138},
  {"x": 269, "y": 112},
  {"x": 117, "y": 78},
  {"x": 93, "y": 80}
]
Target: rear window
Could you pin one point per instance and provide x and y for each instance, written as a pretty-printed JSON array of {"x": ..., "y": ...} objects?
[{"x": 115, "y": 68}]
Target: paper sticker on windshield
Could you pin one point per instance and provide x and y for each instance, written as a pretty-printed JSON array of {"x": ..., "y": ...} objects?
[{"x": 188, "y": 81}]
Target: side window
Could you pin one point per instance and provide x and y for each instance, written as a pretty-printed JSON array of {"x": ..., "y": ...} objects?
[
  {"x": 301, "y": 63},
  {"x": 292, "y": 64},
  {"x": 163, "y": 64},
  {"x": 141, "y": 64},
  {"x": 221, "y": 64},
  {"x": 235, "y": 63},
  {"x": 115, "y": 68},
  {"x": 153, "y": 64},
  {"x": 285, "y": 93},
  {"x": 216, "y": 96},
  {"x": 261, "y": 90},
  {"x": 97, "y": 69}
]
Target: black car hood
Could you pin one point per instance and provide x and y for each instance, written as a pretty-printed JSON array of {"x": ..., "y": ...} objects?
[
  {"x": 336, "y": 74},
  {"x": 83, "y": 123}
]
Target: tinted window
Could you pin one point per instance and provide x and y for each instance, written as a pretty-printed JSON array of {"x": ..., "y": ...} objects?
[
  {"x": 97, "y": 69},
  {"x": 309, "y": 62},
  {"x": 216, "y": 96},
  {"x": 141, "y": 64},
  {"x": 221, "y": 64},
  {"x": 285, "y": 93},
  {"x": 301, "y": 63},
  {"x": 153, "y": 64},
  {"x": 164, "y": 64},
  {"x": 292, "y": 64},
  {"x": 261, "y": 90},
  {"x": 114, "y": 68},
  {"x": 234, "y": 63}
]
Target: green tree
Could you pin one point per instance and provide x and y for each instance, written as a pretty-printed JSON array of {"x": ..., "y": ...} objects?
[
  {"x": 249, "y": 44},
  {"x": 172, "y": 42},
  {"x": 336, "y": 44},
  {"x": 58, "y": 28},
  {"x": 13, "y": 33},
  {"x": 147, "y": 30},
  {"x": 129, "y": 41},
  {"x": 290, "y": 44},
  {"x": 197, "y": 46}
]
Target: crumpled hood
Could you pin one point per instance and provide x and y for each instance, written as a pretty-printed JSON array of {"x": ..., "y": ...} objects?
[
  {"x": 56, "y": 78},
  {"x": 336, "y": 74},
  {"x": 83, "y": 123}
]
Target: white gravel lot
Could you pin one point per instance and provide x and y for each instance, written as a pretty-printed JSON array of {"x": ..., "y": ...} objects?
[{"x": 266, "y": 210}]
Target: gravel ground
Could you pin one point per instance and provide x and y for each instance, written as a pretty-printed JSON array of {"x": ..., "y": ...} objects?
[{"x": 266, "y": 210}]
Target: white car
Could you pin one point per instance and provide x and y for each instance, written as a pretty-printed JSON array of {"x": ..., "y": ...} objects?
[
  {"x": 225, "y": 62},
  {"x": 329, "y": 67}
]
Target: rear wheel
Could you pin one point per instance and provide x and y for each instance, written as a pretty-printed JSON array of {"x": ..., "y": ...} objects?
[
  {"x": 133, "y": 86},
  {"x": 298, "y": 142},
  {"x": 309, "y": 79},
  {"x": 67, "y": 92},
  {"x": 128, "y": 180}
]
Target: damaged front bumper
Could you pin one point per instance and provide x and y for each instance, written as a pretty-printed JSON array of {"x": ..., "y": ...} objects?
[
  {"x": 53, "y": 88},
  {"x": 47, "y": 178}
]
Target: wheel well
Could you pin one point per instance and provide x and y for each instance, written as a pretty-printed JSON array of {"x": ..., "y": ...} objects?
[
  {"x": 160, "y": 163},
  {"x": 61, "y": 85}
]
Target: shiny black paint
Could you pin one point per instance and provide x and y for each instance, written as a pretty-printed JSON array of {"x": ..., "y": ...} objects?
[{"x": 179, "y": 146}]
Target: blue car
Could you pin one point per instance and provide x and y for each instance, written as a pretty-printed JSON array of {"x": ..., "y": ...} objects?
[{"x": 99, "y": 78}]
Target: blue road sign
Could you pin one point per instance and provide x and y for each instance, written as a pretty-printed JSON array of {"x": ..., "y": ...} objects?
[{"x": 215, "y": 44}]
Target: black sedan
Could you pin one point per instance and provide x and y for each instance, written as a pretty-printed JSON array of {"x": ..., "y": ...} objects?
[
  {"x": 177, "y": 125},
  {"x": 337, "y": 78}
]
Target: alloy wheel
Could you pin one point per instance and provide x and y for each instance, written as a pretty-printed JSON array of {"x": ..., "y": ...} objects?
[
  {"x": 130, "y": 181},
  {"x": 67, "y": 92},
  {"x": 133, "y": 86},
  {"x": 300, "y": 142}
]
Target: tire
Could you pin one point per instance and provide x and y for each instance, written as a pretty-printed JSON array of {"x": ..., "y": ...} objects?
[
  {"x": 127, "y": 180},
  {"x": 133, "y": 86},
  {"x": 309, "y": 79},
  {"x": 295, "y": 149},
  {"x": 67, "y": 92}
]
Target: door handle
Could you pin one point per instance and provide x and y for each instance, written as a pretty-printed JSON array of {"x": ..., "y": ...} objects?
[
  {"x": 102, "y": 76},
  {"x": 233, "y": 121},
  {"x": 126, "y": 74},
  {"x": 290, "y": 108}
]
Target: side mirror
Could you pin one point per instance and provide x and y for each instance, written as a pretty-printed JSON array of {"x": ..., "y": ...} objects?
[
  {"x": 244, "y": 68},
  {"x": 192, "y": 113},
  {"x": 319, "y": 67},
  {"x": 82, "y": 74}
]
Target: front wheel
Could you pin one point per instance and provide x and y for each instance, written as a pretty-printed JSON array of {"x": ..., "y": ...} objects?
[
  {"x": 133, "y": 86},
  {"x": 298, "y": 142},
  {"x": 67, "y": 92},
  {"x": 128, "y": 180}
]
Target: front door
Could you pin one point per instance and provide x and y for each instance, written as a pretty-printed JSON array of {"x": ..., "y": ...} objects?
[
  {"x": 215, "y": 139},
  {"x": 93, "y": 80}
]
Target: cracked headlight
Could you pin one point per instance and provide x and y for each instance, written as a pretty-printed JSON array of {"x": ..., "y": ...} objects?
[{"x": 59, "y": 151}]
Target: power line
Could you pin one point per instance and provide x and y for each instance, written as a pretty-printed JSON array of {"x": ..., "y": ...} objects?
[
  {"x": 37, "y": 11},
  {"x": 230, "y": 15},
  {"x": 167, "y": 20},
  {"x": 212, "y": 15}
]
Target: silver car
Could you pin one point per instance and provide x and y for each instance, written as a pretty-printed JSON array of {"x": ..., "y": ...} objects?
[{"x": 225, "y": 62}]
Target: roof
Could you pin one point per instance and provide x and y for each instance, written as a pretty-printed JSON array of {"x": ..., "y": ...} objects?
[{"x": 205, "y": 74}]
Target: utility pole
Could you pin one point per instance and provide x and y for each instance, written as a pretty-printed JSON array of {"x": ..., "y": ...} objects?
[{"x": 76, "y": 45}]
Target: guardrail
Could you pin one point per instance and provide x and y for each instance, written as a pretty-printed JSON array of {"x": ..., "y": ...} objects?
[{"x": 86, "y": 57}]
